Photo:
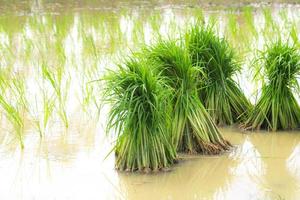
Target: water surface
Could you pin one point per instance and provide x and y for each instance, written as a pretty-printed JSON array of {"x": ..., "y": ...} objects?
[{"x": 261, "y": 166}]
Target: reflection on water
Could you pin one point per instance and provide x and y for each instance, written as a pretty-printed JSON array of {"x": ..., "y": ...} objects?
[{"x": 261, "y": 166}]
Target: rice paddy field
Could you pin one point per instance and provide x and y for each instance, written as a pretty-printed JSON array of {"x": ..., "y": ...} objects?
[{"x": 120, "y": 99}]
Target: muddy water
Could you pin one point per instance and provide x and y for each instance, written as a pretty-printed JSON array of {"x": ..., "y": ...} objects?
[{"x": 261, "y": 166}]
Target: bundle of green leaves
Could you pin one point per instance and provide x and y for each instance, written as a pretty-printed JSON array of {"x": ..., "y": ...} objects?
[
  {"x": 218, "y": 91},
  {"x": 140, "y": 117},
  {"x": 193, "y": 130},
  {"x": 277, "y": 107}
]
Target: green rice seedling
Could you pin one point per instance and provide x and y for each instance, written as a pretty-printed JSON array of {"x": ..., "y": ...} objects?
[
  {"x": 233, "y": 25},
  {"x": 89, "y": 45},
  {"x": 219, "y": 92},
  {"x": 269, "y": 21},
  {"x": 88, "y": 73},
  {"x": 237, "y": 31},
  {"x": 8, "y": 54},
  {"x": 28, "y": 48},
  {"x": 115, "y": 36},
  {"x": 18, "y": 89},
  {"x": 294, "y": 34},
  {"x": 247, "y": 31},
  {"x": 277, "y": 107},
  {"x": 271, "y": 28},
  {"x": 138, "y": 34},
  {"x": 12, "y": 25},
  {"x": 213, "y": 18},
  {"x": 91, "y": 90},
  {"x": 94, "y": 21},
  {"x": 12, "y": 99},
  {"x": 15, "y": 106},
  {"x": 48, "y": 105},
  {"x": 63, "y": 24},
  {"x": 87, "y": 95},
  {"x": 55, "y": 80},
  {"x": 283, "y": 15},
  {"x": 139, "y": 116},
  {"x": 198, "y": 13},
  {"x": 250, "y": 25},
  {"x": 15, "y": 118},
  {"x": 155, "y": 20},
  {"x": 193, "y": 131}
]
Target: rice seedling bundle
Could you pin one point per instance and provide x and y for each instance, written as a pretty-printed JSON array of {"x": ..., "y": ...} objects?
[
  {"x": 193, "y": 130},
  {"x": 139, "y": 116},
  {"x": 277, "y": 107},
  {"x": 218, "y": 91}
]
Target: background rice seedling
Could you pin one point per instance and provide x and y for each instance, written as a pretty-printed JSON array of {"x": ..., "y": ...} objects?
[
  {"x": 15, "y": 118},
  {"x": 55, "y": 80},
  {"x": 13, "y": 102},
  {"x": 249, "y": 21}
]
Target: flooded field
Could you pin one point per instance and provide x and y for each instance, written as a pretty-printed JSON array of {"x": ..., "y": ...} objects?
[
  {"x": 261, "y": 166},
  {"x": 53, "y": 140}
]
